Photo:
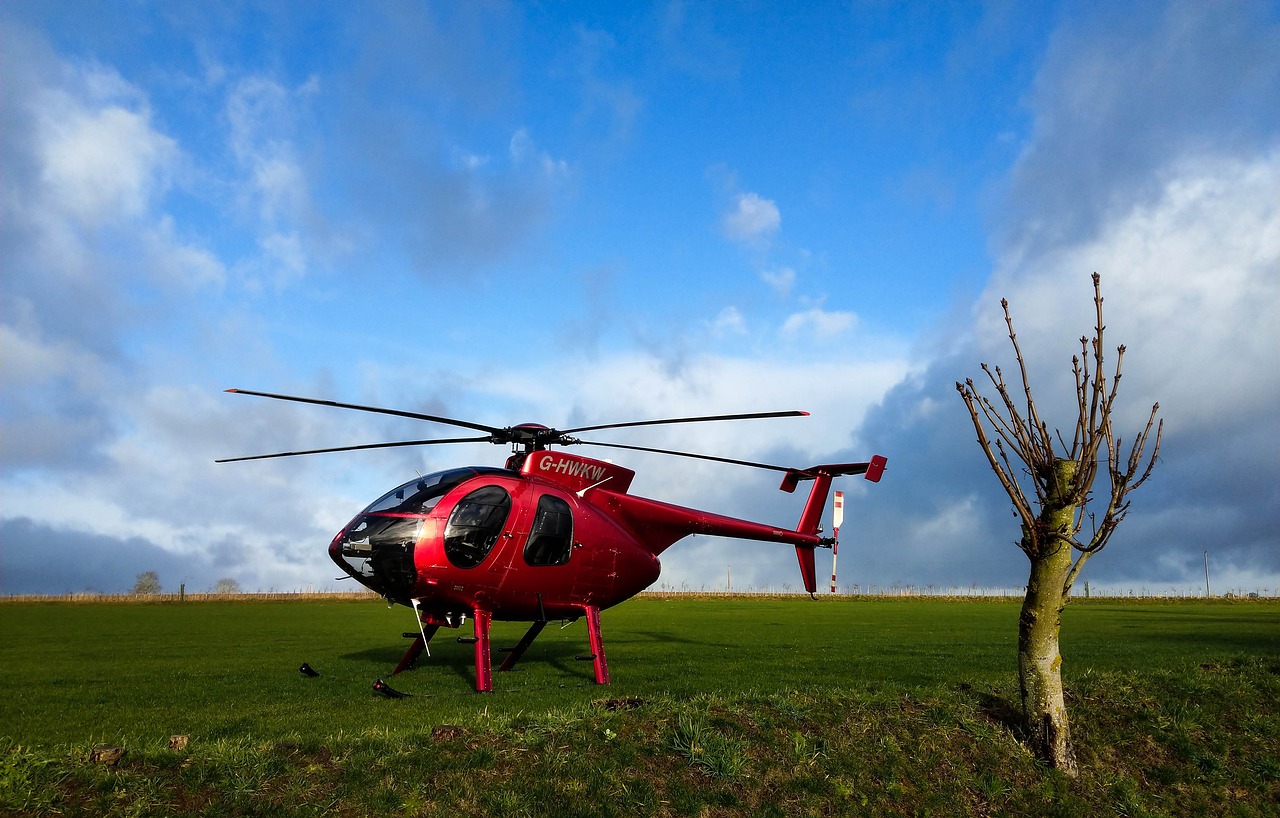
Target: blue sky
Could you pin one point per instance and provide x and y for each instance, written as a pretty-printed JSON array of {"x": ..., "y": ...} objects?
[{"x": 589, "y": 213}]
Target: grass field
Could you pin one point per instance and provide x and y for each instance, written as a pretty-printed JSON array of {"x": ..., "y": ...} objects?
[{"x": 734, "y": 705}]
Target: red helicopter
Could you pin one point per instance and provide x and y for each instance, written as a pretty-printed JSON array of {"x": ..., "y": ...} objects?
[{"x": 550, "y": 536}]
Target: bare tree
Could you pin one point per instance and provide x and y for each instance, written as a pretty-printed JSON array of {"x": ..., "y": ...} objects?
[
  {"x": 148, "y": 582},
  {"x": 1053, "y": 512},
  {"x": 227, "y": 586}
]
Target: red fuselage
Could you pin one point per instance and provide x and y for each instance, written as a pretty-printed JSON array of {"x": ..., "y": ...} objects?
[{"x": 553, "y": 535}]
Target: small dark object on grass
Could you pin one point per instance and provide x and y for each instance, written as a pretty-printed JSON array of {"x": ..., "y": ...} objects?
[
  {"x": 307, "y": 670},
  {"x": 447, "y": 732},
  {"x": 628, "y": 703},
  {"x": 386, "y": 690},
  {"x": 110, "y": 756}
]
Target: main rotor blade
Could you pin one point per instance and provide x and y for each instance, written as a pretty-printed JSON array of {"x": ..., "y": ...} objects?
[
  {"x": 747, "y": 416},
  {"x": 686, "y": 454},
  {"x": 358, "y": 448},
  {"x": 396, "y": 412}
]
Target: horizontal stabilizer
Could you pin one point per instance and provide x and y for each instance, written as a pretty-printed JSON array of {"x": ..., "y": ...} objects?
[{"x": 872, "y": 470}]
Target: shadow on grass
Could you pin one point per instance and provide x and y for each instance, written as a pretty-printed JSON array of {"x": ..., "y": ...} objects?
[
  {"x": 459, "y": 660},
  {"x": 640, "y": 637},
  {"x": 999, "y": 710}
]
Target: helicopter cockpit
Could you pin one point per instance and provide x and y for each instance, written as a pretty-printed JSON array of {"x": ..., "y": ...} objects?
[{"x": 376, "y": 547}]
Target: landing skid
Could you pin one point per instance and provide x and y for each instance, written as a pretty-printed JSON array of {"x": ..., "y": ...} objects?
[{"x": 481, "y": 623}]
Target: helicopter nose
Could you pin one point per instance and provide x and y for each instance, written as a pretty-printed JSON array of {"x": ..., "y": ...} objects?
[{"x": 377, "y": 550}]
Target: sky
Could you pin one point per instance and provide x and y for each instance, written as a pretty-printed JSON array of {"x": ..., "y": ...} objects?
[{"x": 583, "y": 213}]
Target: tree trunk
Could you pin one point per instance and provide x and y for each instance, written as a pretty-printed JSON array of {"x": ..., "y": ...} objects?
[{"x": 1039, "y": 660}]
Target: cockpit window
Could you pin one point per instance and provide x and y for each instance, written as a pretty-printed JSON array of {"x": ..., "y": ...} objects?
[
  {"x": 475, "y": 524},
  {"x": 420, "y": 495},
  {"x": 551, "y": 538}
]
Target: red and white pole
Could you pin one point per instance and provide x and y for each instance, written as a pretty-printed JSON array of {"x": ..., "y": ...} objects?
[{"x": 837, "y": 517}]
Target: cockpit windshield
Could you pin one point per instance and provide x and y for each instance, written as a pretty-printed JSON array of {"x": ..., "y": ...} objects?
[{"x": 421, "y": 494}]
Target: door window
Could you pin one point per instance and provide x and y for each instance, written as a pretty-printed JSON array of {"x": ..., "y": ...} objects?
[
  {"x": 475, "y": 525},
  {"x": 551, "y": 538}
]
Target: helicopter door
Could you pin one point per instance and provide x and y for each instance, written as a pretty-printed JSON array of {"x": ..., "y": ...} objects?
[
  {"x": 551, "y": 535},
  {"x": 475, "y": 524}
]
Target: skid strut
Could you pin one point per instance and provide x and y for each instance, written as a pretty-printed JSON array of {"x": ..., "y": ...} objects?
[
  {"x": 514, "y": 654},
  {"x": 597, "y": 644},
  {"x": 484, "y": 664},
  {"x": 418, "y": 645}
]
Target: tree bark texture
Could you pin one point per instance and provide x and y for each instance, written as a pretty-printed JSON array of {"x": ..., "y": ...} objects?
[{"x": 1039, "y": 658}]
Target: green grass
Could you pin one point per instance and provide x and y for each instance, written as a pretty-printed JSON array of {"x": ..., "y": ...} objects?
[{"x": 731, "y": 706}]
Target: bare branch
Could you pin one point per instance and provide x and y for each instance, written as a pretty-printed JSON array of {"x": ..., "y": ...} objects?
[
  {"x": 1033, "y": 417},
  {"x": 1015, "y": 427},
  {"x": 1019, "y": 431},
  {"x": 1080, "y": 369},
  {"x": 973, "y": 401},
  {"x": 1075, "y": 572},
  {"x": 1135, "y": 456},
  {"x": 1099, "y": 372}
]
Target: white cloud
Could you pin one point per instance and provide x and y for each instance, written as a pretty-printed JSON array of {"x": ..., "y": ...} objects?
[
  {"x": 50, "y": 390},
  {"x": 781, "y": 280},
  {"x": 729, "y": 322},
  {"x": 264, "y": 117},
  {"x": 1122, "y": 93},
  {"x": 282, "y": 188},
  {"x": 819, "y": 323},
  {"x": 100, "y": 164},
  {"x": 524, "y": 153},
  {"x": 88, "y": 254},
  {"x": 752, "y": 219},
  {"x": 157, "y": 484},
  {"x": 284, "y": 253},
  {"x": 29, "y": 359},
  {"x": 171, "y": 261},
  {"x": 91, "y": 158},
  {"x": 1191, "y": 288}
]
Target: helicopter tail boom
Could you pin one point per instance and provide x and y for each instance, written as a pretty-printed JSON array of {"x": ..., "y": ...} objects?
[{"x": 659, "y": 525}]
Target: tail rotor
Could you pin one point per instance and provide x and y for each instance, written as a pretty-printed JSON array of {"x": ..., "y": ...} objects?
[{"x": 837, "y": 517}]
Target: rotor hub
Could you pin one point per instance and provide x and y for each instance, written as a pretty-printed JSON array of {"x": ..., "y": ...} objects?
[{"x": 530, "y": 437}]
